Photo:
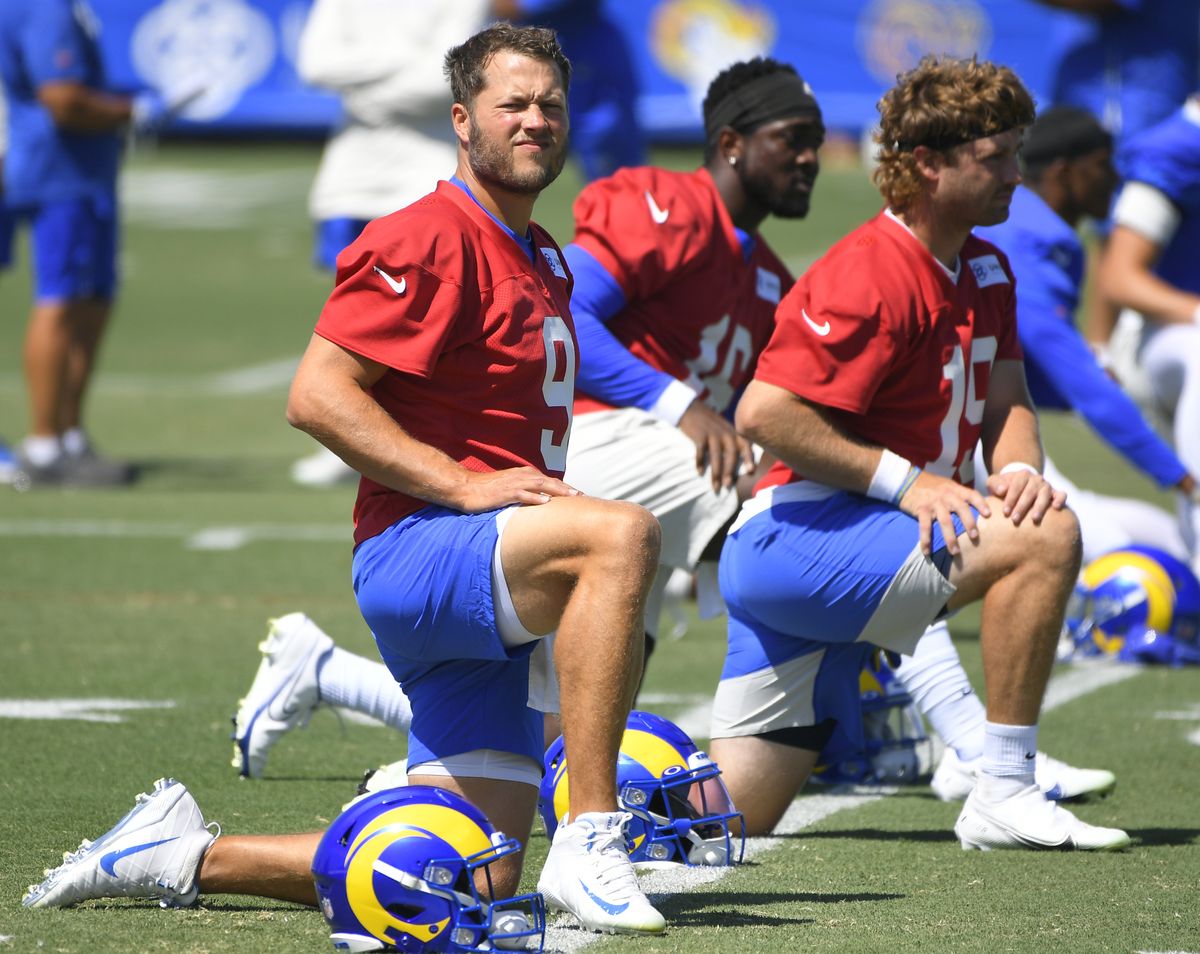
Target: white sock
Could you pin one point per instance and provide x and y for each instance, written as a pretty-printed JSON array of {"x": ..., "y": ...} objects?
[
  {"x": 1009, "y": 755},
  {"x": 41, "y": 451},
  {"x": 74, "y": 441},
  {"x": 363, "y": 685},
  {"x": 942, "y": 693}
]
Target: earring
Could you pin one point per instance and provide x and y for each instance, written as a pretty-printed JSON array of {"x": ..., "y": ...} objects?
[{"x": 733, "y": 160}]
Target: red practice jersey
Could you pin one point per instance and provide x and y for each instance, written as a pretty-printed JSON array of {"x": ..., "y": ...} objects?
[
  {"x": 697, "y": 307},
  {"x": 879, "y": 333},
  {"x": 478, "y": 338}
]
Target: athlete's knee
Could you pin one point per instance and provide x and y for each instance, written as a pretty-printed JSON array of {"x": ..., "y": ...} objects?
[
  {"x": 1060, "y": 543},
  {"x": 627, "y": 533}
]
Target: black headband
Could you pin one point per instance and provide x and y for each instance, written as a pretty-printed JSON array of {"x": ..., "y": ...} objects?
[
  {"x": 764, "y": 99},
  {"x": 1064, "y": 132},
  {"x": 950, "y": 140}
]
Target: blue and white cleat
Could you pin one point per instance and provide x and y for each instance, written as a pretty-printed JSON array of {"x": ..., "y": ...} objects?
[
  {"x": 284, "y": 692},
  {"x": 588, "y": 874},
  {"x": 153, "y": 852}
]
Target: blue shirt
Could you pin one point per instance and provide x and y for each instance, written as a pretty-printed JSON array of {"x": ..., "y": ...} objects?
[
  {"x": 47, "y": 41},
  {"x": 1130, "y": 69},
  {"x": 1167, "y": 157},
  {"x": 1047, "y": 259}
]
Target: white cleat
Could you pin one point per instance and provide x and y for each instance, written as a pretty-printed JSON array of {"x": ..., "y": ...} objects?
[
  {"x": 153, "y": 852},
  {"x": 1030, "y": 820},
  {"x": 588, "y": 874},
  {"x": 953, "y": 779},
  {"x": 284, "y": 692}
]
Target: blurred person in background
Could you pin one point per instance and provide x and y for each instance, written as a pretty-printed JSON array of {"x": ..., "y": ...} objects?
[
  {"x": 1130, "y": 63},
  {"x": 1151, "y": 269},
  {"x": 605, "y": 132},
  {"x": 383, "y": 58},
  {"x": 8, "y": 457},
  {"x": 65, "y": 131},
  {"x": 1069, "y": 174}
]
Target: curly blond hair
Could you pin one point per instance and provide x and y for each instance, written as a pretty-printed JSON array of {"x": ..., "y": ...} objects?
[{"x": 942, "y": 103}]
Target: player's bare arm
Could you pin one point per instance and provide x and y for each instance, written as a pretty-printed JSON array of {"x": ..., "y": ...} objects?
[
  {"x": 1012, "y": 447},
  {"x": 718, "y": 445},
  {"x": 78, "y": 108},
  {"x": 1127, "y": 277},
  {"x": 329, "y": 399}
]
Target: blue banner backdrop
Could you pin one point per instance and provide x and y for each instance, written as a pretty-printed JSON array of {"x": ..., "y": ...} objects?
[{"x": 241, "y": 53}]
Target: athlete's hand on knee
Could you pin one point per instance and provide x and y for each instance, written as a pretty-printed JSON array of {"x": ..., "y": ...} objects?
[
  {"x": 718, "y": 445},
  {"x": 1026, "y": 493},
  {"x": 932, "y": 499},
  {"x": 515, "y": 485}
]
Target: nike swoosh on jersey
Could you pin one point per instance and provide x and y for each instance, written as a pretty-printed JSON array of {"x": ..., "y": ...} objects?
[
  {"x": 659, "y": 215},
  {"x": 606, "y": 906},
  {"x": 397, "y": 286},
  {"x": 822, "y": 329},
  {"x": 109, "y": 861}
]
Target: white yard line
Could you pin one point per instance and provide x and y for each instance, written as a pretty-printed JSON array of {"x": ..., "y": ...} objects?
[
  {"x": 264, "y": 378},
  {"x": 193, "y": 536},
  {"x": 563, "y": 935},
  {"x": 78, "y": 710}
]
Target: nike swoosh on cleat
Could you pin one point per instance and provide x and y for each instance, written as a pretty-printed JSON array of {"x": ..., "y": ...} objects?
[
  {"x": 397, "y": 286},
  {"x": 605, "y": 906},
  {"x": 109, "y": 861}
]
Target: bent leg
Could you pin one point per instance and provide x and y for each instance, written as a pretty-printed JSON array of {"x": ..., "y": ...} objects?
[
  {"x": 762, "y": 777},
  {"x": 1024, "y": 575},
  {"x": 582, "y": 567},
  {"x": 508, "y": 805}
]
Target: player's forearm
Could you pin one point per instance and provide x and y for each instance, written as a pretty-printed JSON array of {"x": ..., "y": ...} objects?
[
  {"x": 1011, "y": 436},
  {"x": 804, "y": 438},
  {"x": 77, "y": 108},
  {"x": 346, "y": 419},
  {"x": 1136, "y": 287}
]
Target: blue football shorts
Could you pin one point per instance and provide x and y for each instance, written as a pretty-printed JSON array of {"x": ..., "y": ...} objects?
[
  {"x": 813, "y": 586},
  {"x": 333, "y": 235},
  {"x": 424, "y": 587},
  {"x": 74, "y": 249}
]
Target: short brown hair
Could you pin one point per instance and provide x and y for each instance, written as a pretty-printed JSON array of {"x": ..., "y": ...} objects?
[
  {"x": 465, "y": 64},
  {"x": 942, "y": 103}
]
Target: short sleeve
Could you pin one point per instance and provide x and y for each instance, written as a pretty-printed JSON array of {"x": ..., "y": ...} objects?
[
  {"x": 644, "y": 229},
  {"x": 399, "y": 295},
  {"x": 834, "y": 343},
  {"x": 54, "y": 45}
]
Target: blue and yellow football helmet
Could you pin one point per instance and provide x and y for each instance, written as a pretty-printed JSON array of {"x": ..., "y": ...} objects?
[
  {"x": 397, "y": 870},
  {"x": 681, "y": 809},
  {"x": 896, "y": 749},
  {"x": 1137, "y": 603}
]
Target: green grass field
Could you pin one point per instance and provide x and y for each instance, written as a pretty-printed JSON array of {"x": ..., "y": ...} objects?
[{"x": 158, "y": 595}]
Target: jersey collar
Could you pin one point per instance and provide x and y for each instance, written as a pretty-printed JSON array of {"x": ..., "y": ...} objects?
[{"x": 525, "y": 241}]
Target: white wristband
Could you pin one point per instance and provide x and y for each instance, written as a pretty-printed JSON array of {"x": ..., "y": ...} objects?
[
  {"x": 889, "y": 477},
  {"x": 675, "y": 399},
  {"x": 1017, "y": 465}
]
